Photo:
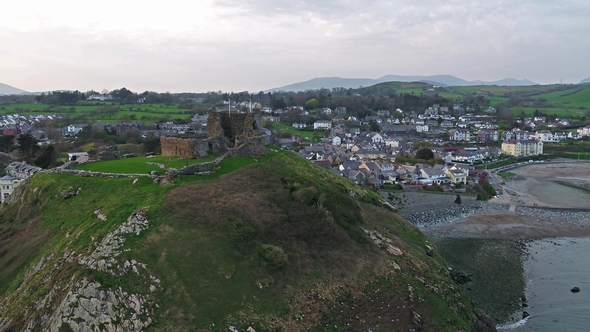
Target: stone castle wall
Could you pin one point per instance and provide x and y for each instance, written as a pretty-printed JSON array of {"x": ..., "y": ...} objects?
[
  {"x": 225, "y": 133},
  {"x": 174, "y": 146}
]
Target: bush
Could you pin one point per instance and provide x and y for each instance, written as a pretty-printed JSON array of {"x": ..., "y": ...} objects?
[
  {"x": 306, "y": 195},
  {"x": 240, "y": 232},
  {"x": 272, "y": 256}
]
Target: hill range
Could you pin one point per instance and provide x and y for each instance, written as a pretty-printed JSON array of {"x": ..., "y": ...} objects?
[{"x": 441, "y": 80}]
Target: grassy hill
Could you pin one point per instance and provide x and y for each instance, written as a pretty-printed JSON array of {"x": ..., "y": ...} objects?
[
  {"x": 577, "y": 96},
  {"x": 273, "y": 243}
]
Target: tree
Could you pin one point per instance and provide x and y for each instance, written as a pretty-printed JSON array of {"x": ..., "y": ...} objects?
[
  {"x": 6, "y": 142},
  {"x": 27, "y": 145},
  {"x": 373, "y": 126},
  {"x": 152, "y": 144},
  {"x": 279, "y": 104},
  {"x": 312, "y": 103},
  {"x": 425, "y": 153},
  {"x": 47, "y": 156},
  {"x": 132, "y": 136}
]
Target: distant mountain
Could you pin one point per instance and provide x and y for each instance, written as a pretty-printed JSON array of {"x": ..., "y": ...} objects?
[
  {"x": 6, "y": 89},
  {"x": 587, "y": 80},
  {"x": 327, "y": 82},
  {"x": 443, "y": 80}
]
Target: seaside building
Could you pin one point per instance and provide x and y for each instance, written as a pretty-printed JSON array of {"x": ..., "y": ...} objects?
[
  {"x": 522, "y": 148},
  {"x": 7, "y": 185}
]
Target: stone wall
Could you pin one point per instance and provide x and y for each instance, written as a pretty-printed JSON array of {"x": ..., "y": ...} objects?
[
  {"x": 236, "y": 127},
  {"x": 238, "y": 134},
  {"x": 174, "y": 146}
]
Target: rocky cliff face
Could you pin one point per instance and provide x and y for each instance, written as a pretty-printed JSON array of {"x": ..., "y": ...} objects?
[{"x": 79, "y": 303}]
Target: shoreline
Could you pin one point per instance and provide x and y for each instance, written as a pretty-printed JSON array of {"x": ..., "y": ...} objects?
[
  {"x": 493, "y": 249},
  {"x": 488, "y": 244}
]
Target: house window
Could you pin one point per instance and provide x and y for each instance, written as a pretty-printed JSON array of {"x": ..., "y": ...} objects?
[{"x": 6, "y": 195}]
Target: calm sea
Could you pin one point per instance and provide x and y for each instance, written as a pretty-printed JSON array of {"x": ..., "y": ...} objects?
[{"x": 554, "y": 267}]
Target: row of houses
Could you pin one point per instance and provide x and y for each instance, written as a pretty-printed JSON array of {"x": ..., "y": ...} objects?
[
  {"x": 379, "y": 172},
  {"x": 16, "y": 172}
]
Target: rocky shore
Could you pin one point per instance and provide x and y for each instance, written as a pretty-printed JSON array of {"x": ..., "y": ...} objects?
[{"x": 450, "y": 213}]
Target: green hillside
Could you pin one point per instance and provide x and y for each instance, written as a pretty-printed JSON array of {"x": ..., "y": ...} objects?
[
  {"x": 577, "y": 96},
  {"x": 276, "y": 244}
]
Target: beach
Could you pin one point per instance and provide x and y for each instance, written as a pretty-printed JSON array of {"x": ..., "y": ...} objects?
[{"x": 507, "y": 246}]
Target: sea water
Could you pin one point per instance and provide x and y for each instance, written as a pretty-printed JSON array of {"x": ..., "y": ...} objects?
[{"x": 552, "y": 269}]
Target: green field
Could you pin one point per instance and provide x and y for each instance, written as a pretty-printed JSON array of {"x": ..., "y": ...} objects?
[
  {"x": 311, "y": 135},
  {"x": 552, "y": 111},
  {"x": 502, "y": 91},
  {"x": 138, "y": 165},
  {"x": 91, "y": 113},
  {"x": 576, "y": 97}
]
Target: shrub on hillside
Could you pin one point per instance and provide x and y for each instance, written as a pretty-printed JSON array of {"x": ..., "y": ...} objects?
[{"x": 272, "y": 256}]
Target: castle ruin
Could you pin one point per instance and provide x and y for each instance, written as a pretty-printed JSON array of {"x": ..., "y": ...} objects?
[{"x": 236, "y": 134}]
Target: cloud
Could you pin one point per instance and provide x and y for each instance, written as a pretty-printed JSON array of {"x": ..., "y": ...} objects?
[{"x": 257, "y": 44}]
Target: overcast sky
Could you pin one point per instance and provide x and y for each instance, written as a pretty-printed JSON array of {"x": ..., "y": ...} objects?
[{"x": 237, "y": 45}]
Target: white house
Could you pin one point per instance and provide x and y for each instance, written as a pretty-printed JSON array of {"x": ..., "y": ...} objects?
[
  {"x": 547, "y": 136},
  {"x": 322, "y": 124},
  {"x": 573, "y": 135},
  {"x": 7, "y": 185},
  {"x": 392, "y": 142},
  {"x": 336, "y": 140},
  {"x": 421, "y": 128},
  {"x": 584, "y": 131},
  {"x": 459, "y": 135},
  {"x": 376, "y": 138},
  {"x": 74, "y": 129}
]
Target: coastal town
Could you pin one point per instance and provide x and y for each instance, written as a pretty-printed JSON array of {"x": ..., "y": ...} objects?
[{"x": 445, "y": 147}]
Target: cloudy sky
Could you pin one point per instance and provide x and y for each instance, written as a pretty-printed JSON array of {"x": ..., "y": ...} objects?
[{"x": 236, "y": 45}]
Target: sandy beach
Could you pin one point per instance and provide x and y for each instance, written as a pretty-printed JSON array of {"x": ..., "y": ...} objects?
[{"x": 538, "y": 185}]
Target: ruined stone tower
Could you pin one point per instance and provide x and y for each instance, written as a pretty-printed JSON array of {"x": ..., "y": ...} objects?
[
  {"x": 236, "y": 128},
  {"x": 238, "y": 134}
]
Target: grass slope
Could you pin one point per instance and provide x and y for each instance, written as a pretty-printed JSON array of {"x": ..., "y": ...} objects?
[
  {"x": 273, "y": 242},
  {"x": 138, "y": 165},
  {"x": 578, "y": 96}
]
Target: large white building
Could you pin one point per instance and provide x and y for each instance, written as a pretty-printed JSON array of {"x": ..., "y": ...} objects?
[
  {"x": 522, "y": 148},
  {"x": 322, "y": 124}
]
